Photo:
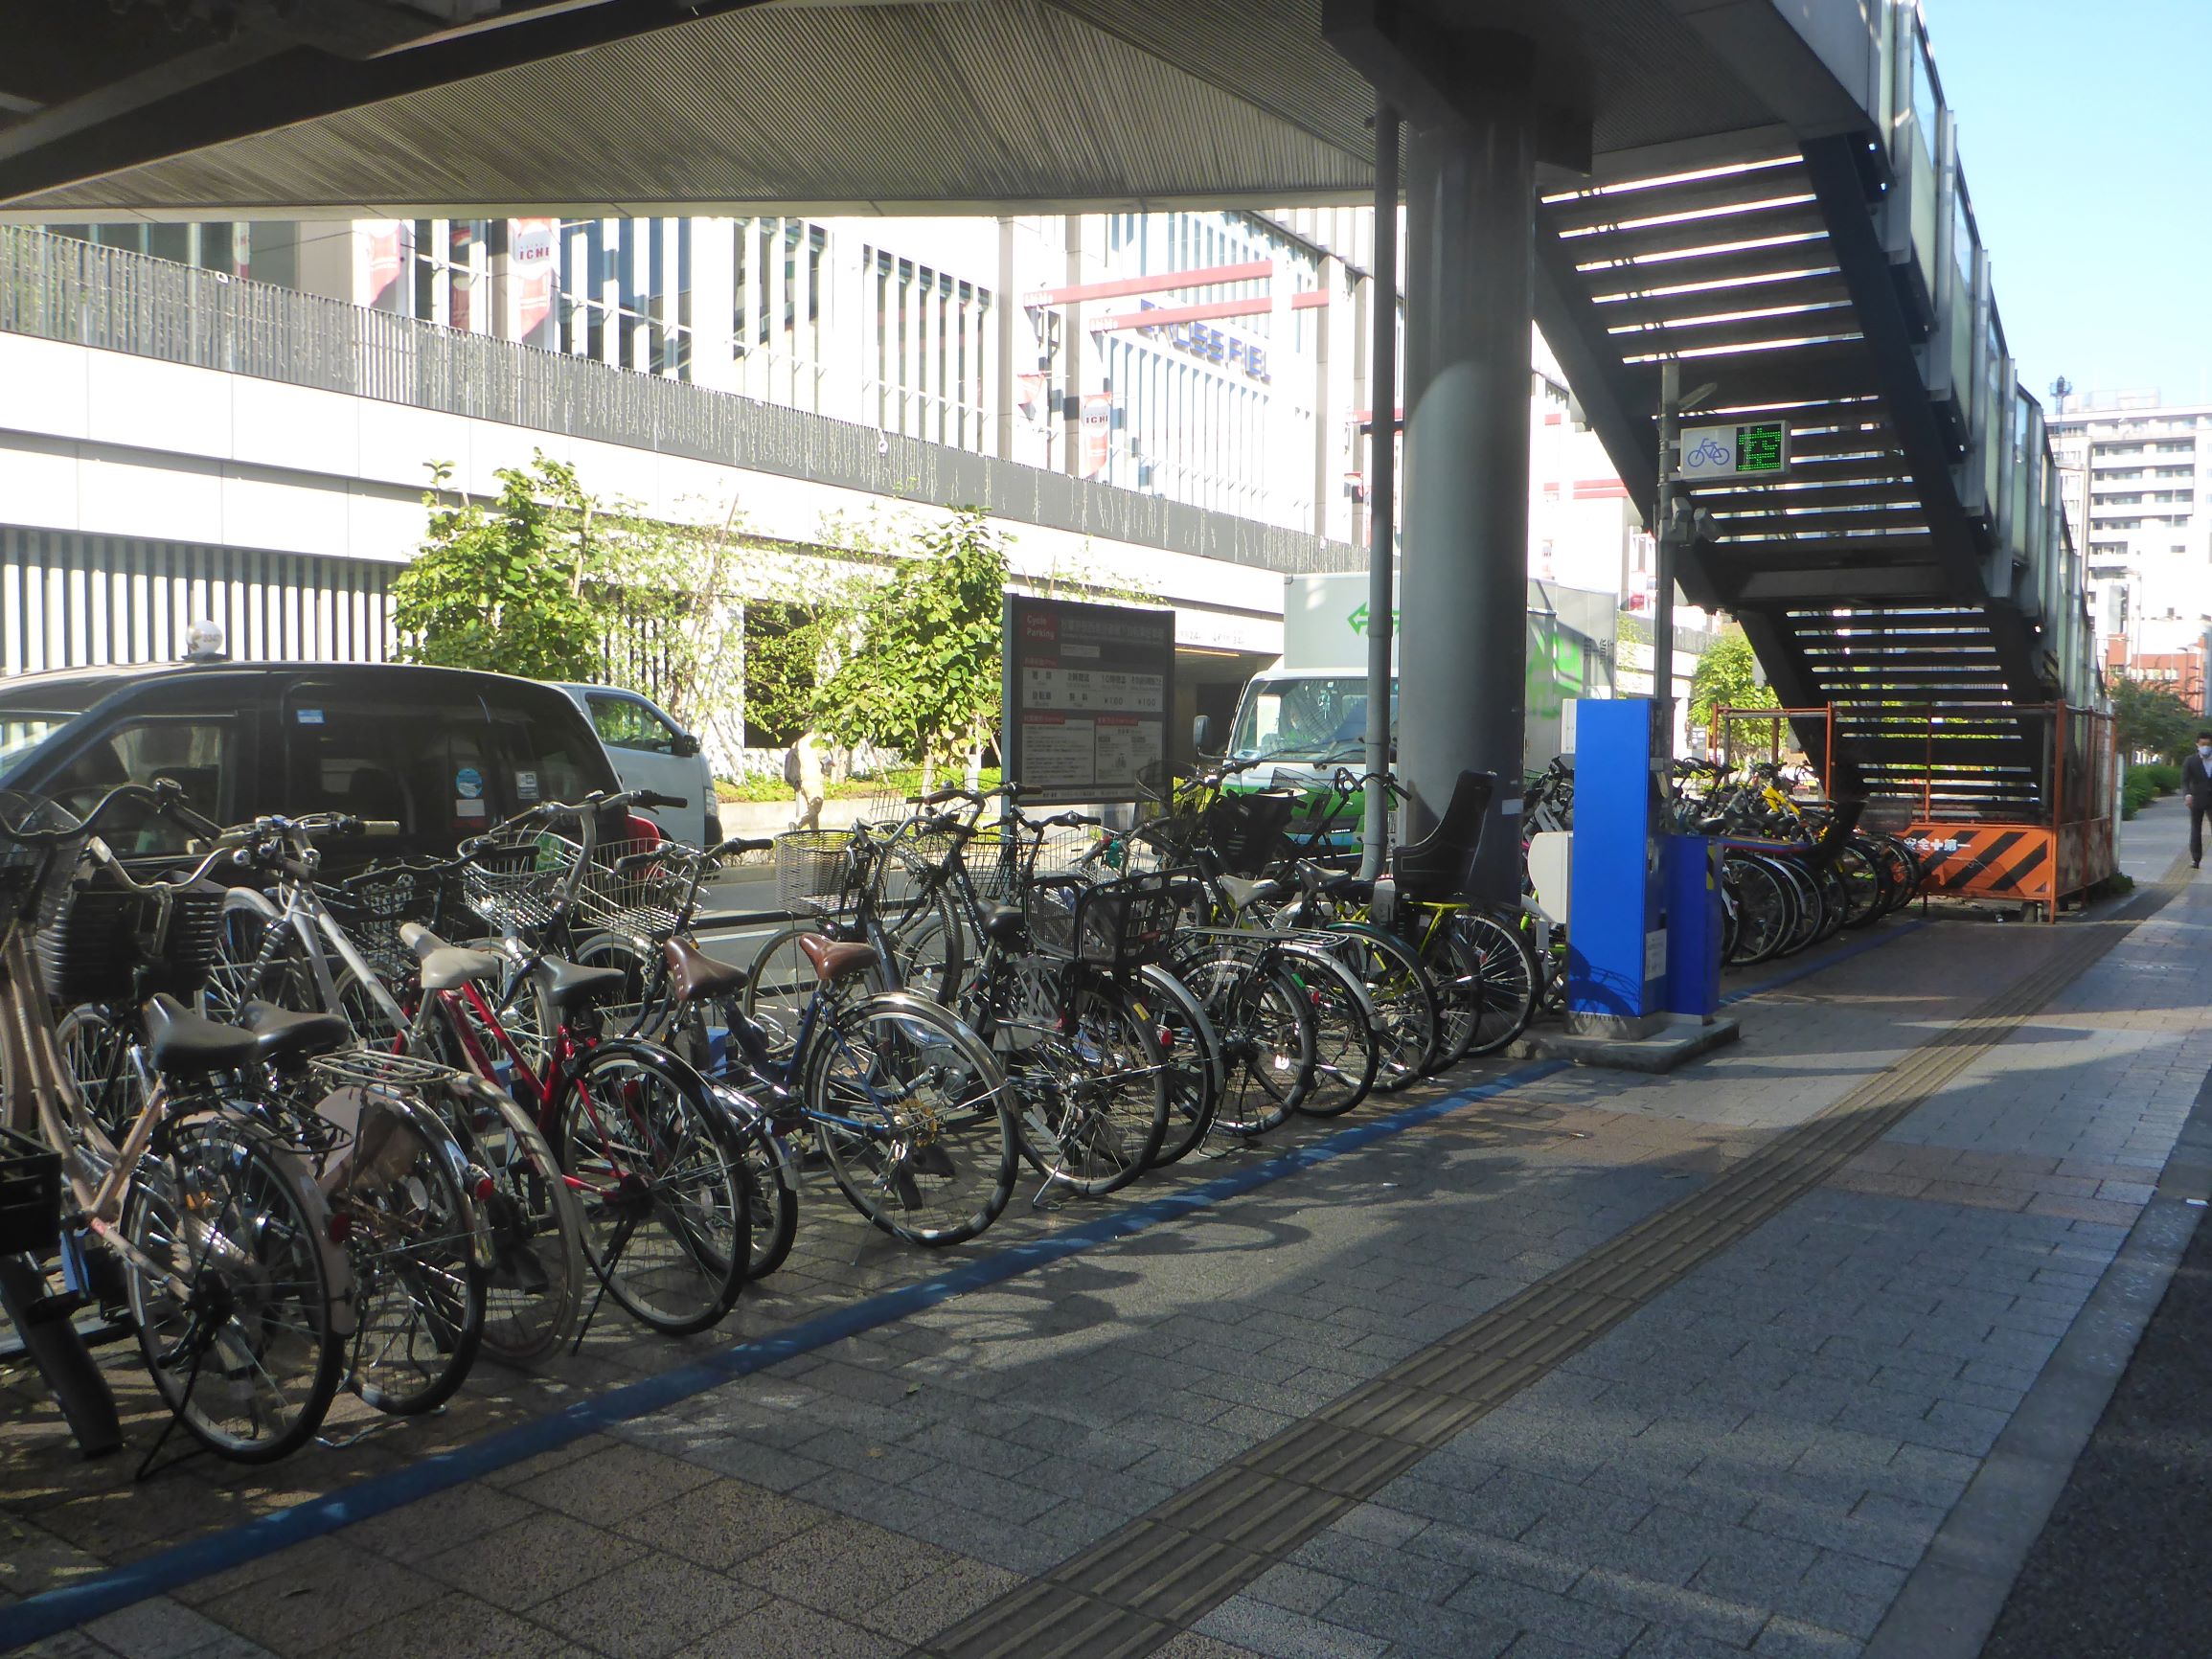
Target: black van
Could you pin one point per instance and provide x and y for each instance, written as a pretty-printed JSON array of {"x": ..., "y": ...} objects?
[{"x": 444, "y": 752}]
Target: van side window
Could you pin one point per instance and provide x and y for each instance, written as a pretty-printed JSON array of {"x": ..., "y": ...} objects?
[
  {"x": 624, "y": 723},
  {"x": 198, "y": 751}
]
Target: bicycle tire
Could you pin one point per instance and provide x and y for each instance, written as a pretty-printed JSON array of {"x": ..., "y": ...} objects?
[
  {"x": 900, "y": 1092},
  {"x": 533, "y": 1292},
  {"x": 419, "y": 1254},
  {"x": 1504, "y": 979},
  {"x": 923, "y": 929},
  {"x": 1347, "y": 1031},
  {"x": 1266, "y": 1032},
  {"x": 780, "y": 986},
  {"x": 1406, "y": 1002},
  {"x": 1194, "y": 1070},
  {"x": 1091, "y": 1086},
  {"x": 237, "y": 1218},
  {"x": 94, "y": 1046},
  {"x": 248, "y": 965},
  {"x": 772, "y": 1192},
  {"x": 1765, "y": 909},
  {"x": 666, "y": 1220}
]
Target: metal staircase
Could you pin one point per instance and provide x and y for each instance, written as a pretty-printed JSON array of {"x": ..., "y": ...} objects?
[{"x": 1914, "y": 570}]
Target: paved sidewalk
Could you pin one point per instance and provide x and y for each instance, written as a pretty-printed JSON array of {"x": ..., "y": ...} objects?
[{"x": 1748, "y": 1451}]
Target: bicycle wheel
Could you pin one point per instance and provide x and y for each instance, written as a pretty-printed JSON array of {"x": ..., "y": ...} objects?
[
  {"x": 1408, "y": 1018},
  {"x": 917, "y": 916},
  {"x": 1267, "y": 1034},
  {"x": 913, "y": 1116},
  {"x": 412, "y": 1237},
  {"x": 1088, "y": 1076},
  {"x": 251, "y": 961},
  {"x": 781, "y": 987},
  {"x": 1196, "y": 1076},
  {"x": 1504, "y": 979},
  {"x": 361, "y": 1008},
  {"x": 772, "y": 1187},
  {"x": 1809, "y": 914},
  {"x": 96, "y": 1051},
  {"x": 667, "y": 1226},
  {"x": 621, "y": 1012},
  {"x": 533, "y": 1293},
  {"x": 1765, "y": 908},
  {"x": 235, "y": 1315},
  {"x": 1347, "y": 1047}
]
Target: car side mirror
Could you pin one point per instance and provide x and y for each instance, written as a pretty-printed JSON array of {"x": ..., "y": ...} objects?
[
  {"x": 1203, "y": 733},
  {"x": 684, "y": 744}
]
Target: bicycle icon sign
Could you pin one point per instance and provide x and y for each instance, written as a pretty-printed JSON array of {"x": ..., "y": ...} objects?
[{"x": 1708, "y": 454}]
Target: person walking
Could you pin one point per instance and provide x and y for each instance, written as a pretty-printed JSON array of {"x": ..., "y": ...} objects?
[
  {"x": 2197, "y": 790},
  {"x": 803, "y": 772}
]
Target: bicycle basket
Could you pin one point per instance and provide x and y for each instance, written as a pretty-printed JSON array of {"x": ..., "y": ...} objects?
[
  {"x": 638, "y": 887},
  {"x": 518, "y": 880},
  {"x": 35, "y": 881},
  {"x": 1116, "y": 926},
  {"x": 375, "y": 904},
  {"x": 30, "y": 1194},
  {"x": 814, "y": 875},
  {"x": 109, "y": 943}
]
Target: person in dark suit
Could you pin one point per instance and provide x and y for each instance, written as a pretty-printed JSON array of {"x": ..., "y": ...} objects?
[{"x": 2197, "y": 790}]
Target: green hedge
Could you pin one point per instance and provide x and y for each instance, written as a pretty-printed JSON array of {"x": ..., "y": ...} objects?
[
  {"x": 2165, "y": 777},
  {"x": 2137, "y": 790}
]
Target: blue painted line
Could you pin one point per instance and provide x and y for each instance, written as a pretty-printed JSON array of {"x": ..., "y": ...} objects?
[
  {"x": 1805, "y": 971},
  {"x": 53, "y": 1611}
]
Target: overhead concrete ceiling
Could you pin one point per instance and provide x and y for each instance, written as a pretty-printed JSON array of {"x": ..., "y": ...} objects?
[{"x": 610, "y": 107}]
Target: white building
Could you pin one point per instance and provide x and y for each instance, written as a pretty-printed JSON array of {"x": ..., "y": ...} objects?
[
  {"x": 2136, "y": 479},
  {"x": 236, "y": 418}
]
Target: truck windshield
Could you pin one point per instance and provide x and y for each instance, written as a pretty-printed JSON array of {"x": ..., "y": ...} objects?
[{"x": 1312, "y": 717}]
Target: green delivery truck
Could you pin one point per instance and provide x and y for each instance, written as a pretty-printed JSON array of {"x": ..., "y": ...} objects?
[{"x": 1307, "y": 716}]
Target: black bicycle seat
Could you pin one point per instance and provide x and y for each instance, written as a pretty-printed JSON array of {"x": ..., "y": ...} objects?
[
  {"x": 1005, "y": 925},
  {"x": 569, "y": 985},
  {"x": 280, "y": 1034},
  {"x": 183, "y": 1044}
]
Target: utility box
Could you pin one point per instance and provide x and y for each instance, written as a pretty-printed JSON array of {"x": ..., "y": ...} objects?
[
  {"x": 1690, "y": 868},
  {"x": 1617, "y": 942}
]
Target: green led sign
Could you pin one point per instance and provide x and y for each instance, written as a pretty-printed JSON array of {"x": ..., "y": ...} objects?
[{"x": 1743, "y": 449}]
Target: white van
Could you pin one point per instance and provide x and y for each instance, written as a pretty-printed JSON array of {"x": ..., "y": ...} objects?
[{"x": 651, "y": 751}]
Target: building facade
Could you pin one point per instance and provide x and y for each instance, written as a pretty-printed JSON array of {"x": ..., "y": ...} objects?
[{"x": 2136, "y": 481}]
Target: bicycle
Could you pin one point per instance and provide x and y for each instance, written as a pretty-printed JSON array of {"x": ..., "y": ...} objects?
[
  {"x": 647, "y": 1154},
  {"x": 292, "y": 951},
  {"x": 239, "y": 1296}
]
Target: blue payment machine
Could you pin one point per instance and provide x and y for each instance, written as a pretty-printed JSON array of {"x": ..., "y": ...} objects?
[
  {"x": 1645, "y": 939},
  {"x": 1617, "y": 941}
]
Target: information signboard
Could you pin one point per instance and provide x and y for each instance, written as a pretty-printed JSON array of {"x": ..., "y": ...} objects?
[
  {"x": 1756, "y": 449},
  {"x": 1088, "y": 693}
]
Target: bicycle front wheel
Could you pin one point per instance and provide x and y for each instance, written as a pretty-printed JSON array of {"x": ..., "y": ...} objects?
[
  {"x": 667, "y": 1223},
  {"x": 413, "y": 1240},
  {"x": 912, "y": 1114},
  {"x": 231, "y": 1283}
]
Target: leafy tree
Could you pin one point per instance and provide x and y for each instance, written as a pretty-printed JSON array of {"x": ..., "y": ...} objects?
[
  {"x": 505, "y": 589},
  {"x": 1727, "y": 677},
  {"x": 2153, "y": 720},
  {"x": 923, "y": 676},
  {"x": 673, "y": 603}
]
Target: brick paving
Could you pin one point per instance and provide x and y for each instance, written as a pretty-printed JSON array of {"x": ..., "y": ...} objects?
[{"x": 1753, "y": 1462}]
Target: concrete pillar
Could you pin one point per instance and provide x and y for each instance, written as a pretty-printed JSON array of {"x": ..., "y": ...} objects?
[
  {"x": 999, "y": 357},
  {"x": 1463, "y": 646}
]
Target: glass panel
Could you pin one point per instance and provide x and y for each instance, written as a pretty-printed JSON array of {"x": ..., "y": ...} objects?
[{"x": 196, "y": 751}]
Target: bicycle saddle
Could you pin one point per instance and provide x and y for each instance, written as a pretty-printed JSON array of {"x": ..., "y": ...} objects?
[
  {"x": 833, "y": 961},
  {"x": 1244, "y": 892},
  {"x": 446, "y": 967},
  {"x": 280, "y": 1034},
  {"x": 568, "y": 984},
  {"x": 693, "y": 974},
  {"x": 183, "y": 1044},
  {"x": 1005, "y": 925}
]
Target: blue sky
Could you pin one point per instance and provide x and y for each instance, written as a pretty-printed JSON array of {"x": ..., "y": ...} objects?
[{"x": 2085, "y": 129}]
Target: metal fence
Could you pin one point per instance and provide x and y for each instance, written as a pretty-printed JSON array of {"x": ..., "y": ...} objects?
[{"x": 59, "y": 289}]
